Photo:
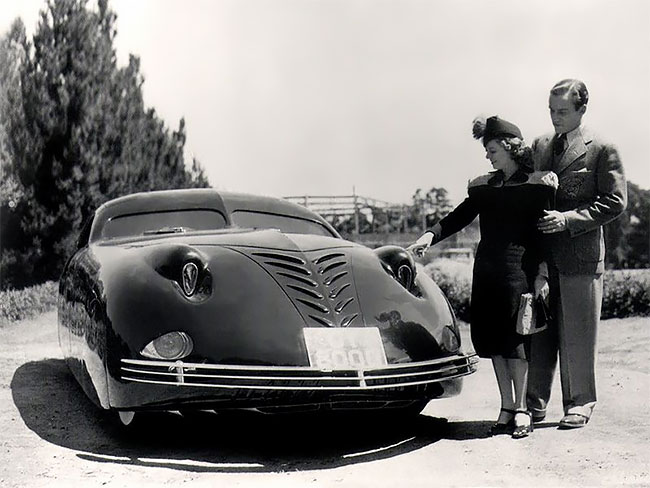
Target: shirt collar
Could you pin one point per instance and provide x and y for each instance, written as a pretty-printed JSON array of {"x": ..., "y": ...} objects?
[{"x": 572, "y": 135}]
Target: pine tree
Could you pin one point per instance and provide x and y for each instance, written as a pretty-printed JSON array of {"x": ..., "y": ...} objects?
[{"x": 77, "y": 133}]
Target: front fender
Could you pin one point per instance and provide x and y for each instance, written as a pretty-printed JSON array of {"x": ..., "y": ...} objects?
[{"x": 246, "y": 319}]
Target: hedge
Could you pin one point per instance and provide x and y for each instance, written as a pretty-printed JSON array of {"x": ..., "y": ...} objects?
[
  {"x": 626, "y": 293},
  {"x": 28, "y": 302}
]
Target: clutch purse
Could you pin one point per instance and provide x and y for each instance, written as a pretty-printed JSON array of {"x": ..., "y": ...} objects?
[{"x": 533, "y": 315}]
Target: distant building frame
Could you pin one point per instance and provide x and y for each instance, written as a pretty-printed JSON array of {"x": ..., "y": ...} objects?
[
  {"x": 352, "y": 205},
  {"x": 461, "y": 246}
]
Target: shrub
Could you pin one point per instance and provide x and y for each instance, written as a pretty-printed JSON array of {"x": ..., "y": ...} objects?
[
  {"x": 28, "y": 302},
  {"x": 455, "y": 280},
  {"x": 626, "y": 293}
]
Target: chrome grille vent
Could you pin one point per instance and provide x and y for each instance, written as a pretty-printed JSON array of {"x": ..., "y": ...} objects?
[{"x": 320, "y": 284}]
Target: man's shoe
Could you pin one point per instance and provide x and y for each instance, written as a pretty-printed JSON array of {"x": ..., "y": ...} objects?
[{"x": 573, "y": 421}]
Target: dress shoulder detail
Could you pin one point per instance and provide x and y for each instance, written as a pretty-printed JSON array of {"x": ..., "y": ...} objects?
[
  {"x": 546, "y": 178},
  {"x": 479, "y": 180}
]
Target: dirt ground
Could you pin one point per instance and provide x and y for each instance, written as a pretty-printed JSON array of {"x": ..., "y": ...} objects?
[{"x": 51, "y": 435}]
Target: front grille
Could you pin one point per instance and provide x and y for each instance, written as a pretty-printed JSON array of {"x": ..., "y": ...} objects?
[
  {"x": 319, "y": 284},
  {"x": 296, "y": 378}
]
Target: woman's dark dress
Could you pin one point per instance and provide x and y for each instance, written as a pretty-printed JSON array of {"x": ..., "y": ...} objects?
[{"x": 507, "y": 257}]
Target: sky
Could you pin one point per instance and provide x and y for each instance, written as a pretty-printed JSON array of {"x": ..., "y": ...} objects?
[{"x": 376, "y": 97}]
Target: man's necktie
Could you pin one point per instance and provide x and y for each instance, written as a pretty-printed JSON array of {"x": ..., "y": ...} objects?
[{"x": 559, "y": 144}]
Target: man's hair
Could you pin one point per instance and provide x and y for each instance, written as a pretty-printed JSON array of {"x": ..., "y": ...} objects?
[{"x": 576, "y": 90}]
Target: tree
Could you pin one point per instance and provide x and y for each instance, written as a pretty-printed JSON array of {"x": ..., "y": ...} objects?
[
  {"x": 428, "y": 209},
  {"x": 12, "y": 193},
  {"x": 79, "y": 134},
  {"x": 627, "y": 238},
  {"x": 638, "y": 236}
]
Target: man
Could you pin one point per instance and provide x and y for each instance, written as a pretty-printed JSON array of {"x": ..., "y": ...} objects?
[{"x": 592, "y": 191}]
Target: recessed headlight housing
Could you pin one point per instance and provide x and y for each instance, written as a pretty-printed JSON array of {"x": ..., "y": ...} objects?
[{"x": 170, "y": 346}]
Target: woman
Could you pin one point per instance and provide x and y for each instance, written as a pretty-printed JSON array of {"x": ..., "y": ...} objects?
[{"x": 508, "y": 259}]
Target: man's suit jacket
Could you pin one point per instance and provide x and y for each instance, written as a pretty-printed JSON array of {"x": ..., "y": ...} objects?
[{"x": 592, "y": 191}]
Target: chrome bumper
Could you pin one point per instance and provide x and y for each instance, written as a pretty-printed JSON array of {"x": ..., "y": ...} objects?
[{"x": 296, "y": 378}]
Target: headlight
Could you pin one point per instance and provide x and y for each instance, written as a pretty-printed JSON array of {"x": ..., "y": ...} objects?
[{"x": 170, "y": 346}]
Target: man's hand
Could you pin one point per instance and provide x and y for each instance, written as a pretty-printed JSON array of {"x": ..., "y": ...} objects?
[{"x": 552, "y": 221}]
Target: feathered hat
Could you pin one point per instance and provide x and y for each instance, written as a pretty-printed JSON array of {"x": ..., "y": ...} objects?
[{"x": 494, "y": 127}]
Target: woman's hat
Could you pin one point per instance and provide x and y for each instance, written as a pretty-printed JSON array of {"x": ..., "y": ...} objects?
[{"x": 494, "y": 127}]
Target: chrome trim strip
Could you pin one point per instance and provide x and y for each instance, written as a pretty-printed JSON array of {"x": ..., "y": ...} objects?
[
  {"x": 471, "y": 359},
  {"x": 296, "y": 378},
  {"x": 235, "y": 377},
  {"x": 294, "y": 388},
  {"x": 305, "y": 378}
]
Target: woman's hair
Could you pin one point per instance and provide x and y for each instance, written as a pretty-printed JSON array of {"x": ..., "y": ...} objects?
[
  {"x": 519, "y": 152},
  {"x": 515, "y": 146}
]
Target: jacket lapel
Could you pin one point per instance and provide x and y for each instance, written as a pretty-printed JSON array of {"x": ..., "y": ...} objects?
[{"x": 577, "y": 148}]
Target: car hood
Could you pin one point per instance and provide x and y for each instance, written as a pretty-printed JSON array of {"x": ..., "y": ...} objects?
[{"x": 266, "y": 287}]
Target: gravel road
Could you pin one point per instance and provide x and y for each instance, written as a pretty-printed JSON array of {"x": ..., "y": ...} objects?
[{"x": 50, "y": 435}]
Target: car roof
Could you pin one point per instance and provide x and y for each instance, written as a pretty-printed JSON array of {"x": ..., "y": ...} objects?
[
  {"x": 224, "y": 202},
  {"x": 244, "y": 201}
]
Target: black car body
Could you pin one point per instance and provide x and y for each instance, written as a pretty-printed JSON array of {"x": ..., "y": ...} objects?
[{"x": 198, "y": 299}]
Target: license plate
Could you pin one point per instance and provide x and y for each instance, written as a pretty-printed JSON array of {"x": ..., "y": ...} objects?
[{"x": 349, "y": 348}]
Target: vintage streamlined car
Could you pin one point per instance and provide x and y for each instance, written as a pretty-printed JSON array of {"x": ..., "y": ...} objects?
[{"x": 198, "y": 299}]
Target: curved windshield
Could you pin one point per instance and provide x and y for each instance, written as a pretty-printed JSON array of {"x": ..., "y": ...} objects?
[
  {"x": 165, "y": 222},
  {"x": 288, "y": 224}
]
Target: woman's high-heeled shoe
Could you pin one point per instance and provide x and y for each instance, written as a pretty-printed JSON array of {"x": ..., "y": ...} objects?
[
  {"x": 521, "y": 431},
  {"x": 503, "y": 428}
]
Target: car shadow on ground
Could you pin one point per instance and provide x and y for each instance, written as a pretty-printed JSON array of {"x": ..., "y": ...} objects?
[{"x": 53, "y": 406}]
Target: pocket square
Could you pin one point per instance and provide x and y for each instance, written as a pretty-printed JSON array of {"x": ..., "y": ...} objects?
[{"x": 582, "y": 170}]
